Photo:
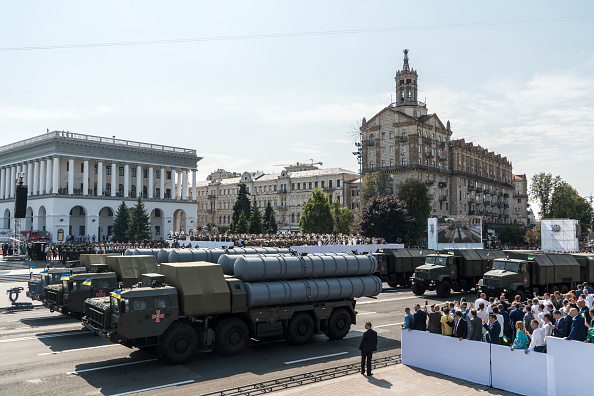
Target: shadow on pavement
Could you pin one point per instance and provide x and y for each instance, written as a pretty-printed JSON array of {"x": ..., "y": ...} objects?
[
  {"x": 382, "y": 383},
  {"x": 460, "y": 382}
]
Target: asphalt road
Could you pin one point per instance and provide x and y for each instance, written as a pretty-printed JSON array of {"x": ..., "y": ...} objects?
[{"x": 43, "y": 352}]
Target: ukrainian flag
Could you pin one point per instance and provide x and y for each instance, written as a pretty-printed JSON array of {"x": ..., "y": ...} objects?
[
  {"x": 44, "y": 273},
  {"x": 488, "y": 253},
  {"x": 450, "y": 252},
  {"x": 31, "y": 267},
  {"x": 87, "y": 282},
  {"x": 65, "y": 277},
  {"x": 116, "y": 294},
  {"x": 421, "y": 252},
  {"x": 504, "y": 339},
  {"x": 530, "y": 257},
  {"x": 583, "y": 315}
]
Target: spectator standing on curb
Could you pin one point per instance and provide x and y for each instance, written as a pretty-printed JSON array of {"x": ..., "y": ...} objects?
[
  {"x": 516, "y": 315},
  {"x": 460, "y": 329},
  {"x": 475, "y": 329},
  {"x": 435, "y": 320},
  {"x": 419, "y": 319},
  {"x": 528, "y": 316},
  {"x": 493, "y": 330},
  {"x": 367, "y": 346},
  {"x": 521, "y": 341},
  {"x": 408, "y": 319},
  {"x": 537, "y": 342},
  {"x": 578, "y": 330},
  {"x": 447, "y": 323}
]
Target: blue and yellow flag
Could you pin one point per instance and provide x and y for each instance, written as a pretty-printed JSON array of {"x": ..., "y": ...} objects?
[
  {"x": 488, "y": 253},
  {"x": 44, "y": 273},
  {"x": 88, "y": 282},
  {"x": 583, "y": 315},
  {"x": 486, "y": 333},
  {"x": 450, "y": 252},
  {"x": 421, "y": 252},
  {"x": 65, "y": 277},
  {"x": 31, "y": 267},
  {"x": 530, "y": 257},
  {"x": 504, "y": 339},
  {"x": 116, "y": 294}
]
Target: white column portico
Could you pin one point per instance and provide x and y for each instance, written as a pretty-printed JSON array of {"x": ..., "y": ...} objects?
[
  {"x": 28, "y": 166},
  {"x": 151, "y": 170},
  {"x": 2, "y": 182},
  {"x": 173, "y": 183},
  {"x": 162, "y": 184},
  {"x": 70, "y": 176},
  {"x": 138, "y": 181},
  {"x": 100, "y": 178},
  {"x": 114, "y": 180},
  {"x": 56, "y": 174},
  {"x": 36, "y": 177},
  {"x": 86, "y": 177},
  {"x": 48, "y": 175},
  {"x": 41, "y": 176},
  {"x": 193, "y": 184},
  {"x": 126, "y": 180},
  {"x": 184, "y": 184}
]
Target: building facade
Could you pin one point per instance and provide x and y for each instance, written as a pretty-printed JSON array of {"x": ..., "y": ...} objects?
[
  {"x": 519, "y": 209},
  {"x": 286, "y": 191},
  {"x": 404, "y": 141},
  {"x": 76, "y": 182}
]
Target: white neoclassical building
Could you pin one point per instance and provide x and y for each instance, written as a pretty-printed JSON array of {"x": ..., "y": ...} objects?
[{"x": 76, "y": 182}]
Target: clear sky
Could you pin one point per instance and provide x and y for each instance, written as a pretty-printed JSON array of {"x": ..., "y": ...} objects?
[{"x": 523, "y": 88}]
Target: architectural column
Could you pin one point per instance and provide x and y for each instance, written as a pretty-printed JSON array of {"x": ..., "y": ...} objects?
[
  {"x": 19, "y": 169},
  {"x": 173, "y": 183},
  {"x": 114, "y": 180},
  {"x": 70, "y": 176},
  {"x": 193, "y": 184},
  {"x": 13, "y": 171},
  {"x": 86, "y": 176},
  {"x": 151, "y": 170},
  {"x": 56, "y": 175},
  {"x": 2, "y": 182},
  {"x": 41, "y": 176},
  {"x": 36, "y": 177},
  {"x": 184, "y": 184},
  {"x": 48, "y": 175},
  {"x": 126, "y": 180},
  {"x": 100, "y": 178},
  {"x": 162, "y": 184},
  {"x": 138, "y": 181}
]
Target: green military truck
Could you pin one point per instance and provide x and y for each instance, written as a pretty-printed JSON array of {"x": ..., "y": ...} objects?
[
  {"x": 396, "y": 266},
  {"x": 586, "y": 261},
  {"x": 458, "y": 269},
  {"x": 526, "y": 273},
  {"x": 193, "y": 306},
  {"x": 68, "y": 297},
  {"x": 37, "y": 285}
]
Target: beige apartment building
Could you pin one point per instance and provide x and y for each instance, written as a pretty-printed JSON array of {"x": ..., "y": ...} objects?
[
  {"x": 405, "y": 141},
  {"x": 519, "y": 208},
  {"x": 286, "y": 191}
]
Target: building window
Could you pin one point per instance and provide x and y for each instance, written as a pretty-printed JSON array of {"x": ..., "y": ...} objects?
[
  {"x": 383, "y": 135},
  {"x": 158, "y": 173},
  {"x": 121, "y": 171},
  {"x": 144, "y": 173},
  {"x": 168, "y": 175},
  {"x": 96, "y": 169},
  {"x": 310, "y": 184},
  {"x": 383, "y": 150},
  {"x": 372, "y": 138},
  {"x": 404, "y": 162},
  {"x": 329, "y": 183},
  {"x": 372, "y": 152},
  {"x": 322, "y": 183},
  {"x": 292, "y": 186},
  {"x": 391, "y": 134},
  {"x": 82, "y": 167},
  {"x": 337, "y": 183},
  {"x": 391, "y": 149},
  {"x": 372, "y": 165},
  {"x": 67, "y": 166},
  {"x": 134, "y": 172},
  {"x": 316, "y": 184},
  {"x": 383, "y": 163},
  {"x": 404, "y": 148}
]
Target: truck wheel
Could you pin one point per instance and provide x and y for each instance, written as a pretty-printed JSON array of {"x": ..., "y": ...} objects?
[
  {"x": 393, "y": 284},
  {"x": 339, "y": 324},
  {"x": 231, "y": 336},
  {"x": 300, "y": 329},
  {"x": 418, "y": 290},
  {"x": 443, "y": 289},
  {"x": 178, "y": 344}
]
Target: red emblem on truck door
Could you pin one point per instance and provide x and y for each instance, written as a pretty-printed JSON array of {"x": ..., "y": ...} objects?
[
  {"x": 526, "y": 280},
  {"x": 158, "y": 316},
  {"x": 453, "y": 272},
  {"x": 100, "y": 294}
]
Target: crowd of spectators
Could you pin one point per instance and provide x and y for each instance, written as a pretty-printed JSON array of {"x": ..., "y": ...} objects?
[
  {"x": 286, "y": 240},
  {"x": 518, "y": 324}
]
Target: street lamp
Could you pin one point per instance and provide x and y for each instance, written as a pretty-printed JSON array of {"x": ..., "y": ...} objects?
[{"x": 359, "y": 155}]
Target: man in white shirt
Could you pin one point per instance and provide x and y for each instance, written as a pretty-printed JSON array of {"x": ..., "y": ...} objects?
[
  {"x": 481, "y": 299},
  {"x": 588, "y": 297},
  {"x": 537, "y": 343},
  {"x": 546, "y": 299}
]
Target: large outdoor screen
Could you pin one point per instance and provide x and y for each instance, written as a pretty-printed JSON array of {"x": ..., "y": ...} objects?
[{"x": 455, "y": 233}]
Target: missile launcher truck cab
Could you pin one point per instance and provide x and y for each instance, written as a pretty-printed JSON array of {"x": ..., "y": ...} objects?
[
  {"x": 526, "y": 273},
  {"x": 69, "y": 296},
  {"x": 189, "y": 307},
  {"x": 396, "y": 266},
  {"x": 38, "y": 285},
  {"x": 458, "y": 269}
]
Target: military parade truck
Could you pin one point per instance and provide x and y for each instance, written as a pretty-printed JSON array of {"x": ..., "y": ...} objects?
[
  {"x": 586, "y": 261},
  {"x": 458, "y": 269},
  {"x": 188, "y": 307},
  {"x": 69, "y": 296},
  {"x": 396, "y": 266},
  {"x": 52, "y": 276},
  {"x": 527, "y": 273}
]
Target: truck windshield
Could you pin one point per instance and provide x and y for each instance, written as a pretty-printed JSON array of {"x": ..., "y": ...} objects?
[
  {"x": 436, "y": 260},
  {"x": 115, "y": 305},
  {"x": 506, "y": 265}
]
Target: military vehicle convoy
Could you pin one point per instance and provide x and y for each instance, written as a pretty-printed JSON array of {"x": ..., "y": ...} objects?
[
  {"x": 68, "y": 297},
  {"x": 203, "y": 254},
  {"x": 524, "y": 273},
  {"x": 193, "y": 306},
  {"x": 396, "y": 266},
  {"x": 454, "y": 270},
  {"x": 37, "y": 285}
]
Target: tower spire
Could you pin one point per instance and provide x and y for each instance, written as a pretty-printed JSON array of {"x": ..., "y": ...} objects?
[{"x": 405, "y": 66}]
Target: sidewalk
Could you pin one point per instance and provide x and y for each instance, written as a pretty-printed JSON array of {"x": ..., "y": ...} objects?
[{"x": 395, "y": 380}]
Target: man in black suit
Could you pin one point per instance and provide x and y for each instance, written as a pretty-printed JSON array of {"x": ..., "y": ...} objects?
[
  {"x": 367, "y": 346},
  {"x": 493, "y": 329},
  {"x": 419, "y": 319},
  {"x": 516, "y": 315},
  {"x": 460, "y": 328},
  {"x": 475, "y": 330}
]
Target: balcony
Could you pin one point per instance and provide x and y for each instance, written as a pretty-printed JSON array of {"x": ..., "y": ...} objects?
[
  {"x": 487, "y": 202},
  {"x": 479, "y": 190},
  {"x": 442, "y": 184},
  {"x": 369, "y": 142},
  {"x": 470, "y": 188},
  {"x": 443, "y": 198},
  {"x": 441, "y": 144},
  {"x": 505, "y": 195},
  {"x": 211, "y": 210},
  {"x": 429, "y": 154},
  {"x": 429, "y": 182},
  {"x": 403, "y": 139},
  {"x": 499, "y": 205},
  {"x": 499, "y": 194},
  {"x": 470, "y": 200},
  {"x": 505, "y": 205},
  {"x": 428, "y": 140},
  {"x": 493, "y": 203},
  {"x": 212, "y": 196},
  {"x": 487, "y": 191},
  {"x": 282, "y": 207},
  {"x": 471, "y": 212},
  {"x": 431, "y": 196},
  {"x": 443, "y": 158},
  {"x": 518, "y": 195}
]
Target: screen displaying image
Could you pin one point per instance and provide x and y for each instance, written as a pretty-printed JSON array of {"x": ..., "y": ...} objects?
[{"x": 462, "y": 230}]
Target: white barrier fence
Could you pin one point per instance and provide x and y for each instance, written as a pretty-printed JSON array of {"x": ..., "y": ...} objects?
[{"x": 563, "y": 370}]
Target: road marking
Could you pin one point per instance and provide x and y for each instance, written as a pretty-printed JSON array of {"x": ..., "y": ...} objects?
[
  {"x": 316, "y": 357},
  {"x": 112, "y": 366},
  {"x": 390, "y": 324},
  {"x": 78, "y": 332},
  {"x": 155, "y": 387},
  {"x": 76, "y": 350},
  {"x": 386, "y": 300},
  {"x": 365, "y": 313}
]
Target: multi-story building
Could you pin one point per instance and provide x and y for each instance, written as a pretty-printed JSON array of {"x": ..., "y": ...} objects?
[
  {"x": 404, "y": 141},
  {"x": 76, "y": 182},
  {"x": 286, "y": 191},
  {"x": 519, "y": 212}
]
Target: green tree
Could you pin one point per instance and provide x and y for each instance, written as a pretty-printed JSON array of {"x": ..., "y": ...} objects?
[
  {"x": 243, "y": 225},
  {"x": 413, "y": 193},
  {"x": 241, "y": 205},
  {"x": 342, "y": 217},
  {"x": 316, "y": 217},
  {"x": 385, "y": 217},
  {"x": 121, "y": 222},
  {"x": 376, "y": 184},
  {"x": 269, "y": 225},
  {"x": 532, "y": 236},
  {"x": 140, "y": 223},
  {"x": 512, "y": 235},
  {"x": 566, "y": 202},
  {"x": 542, "y": 187},
  {"x": 256, "y": 219}
]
